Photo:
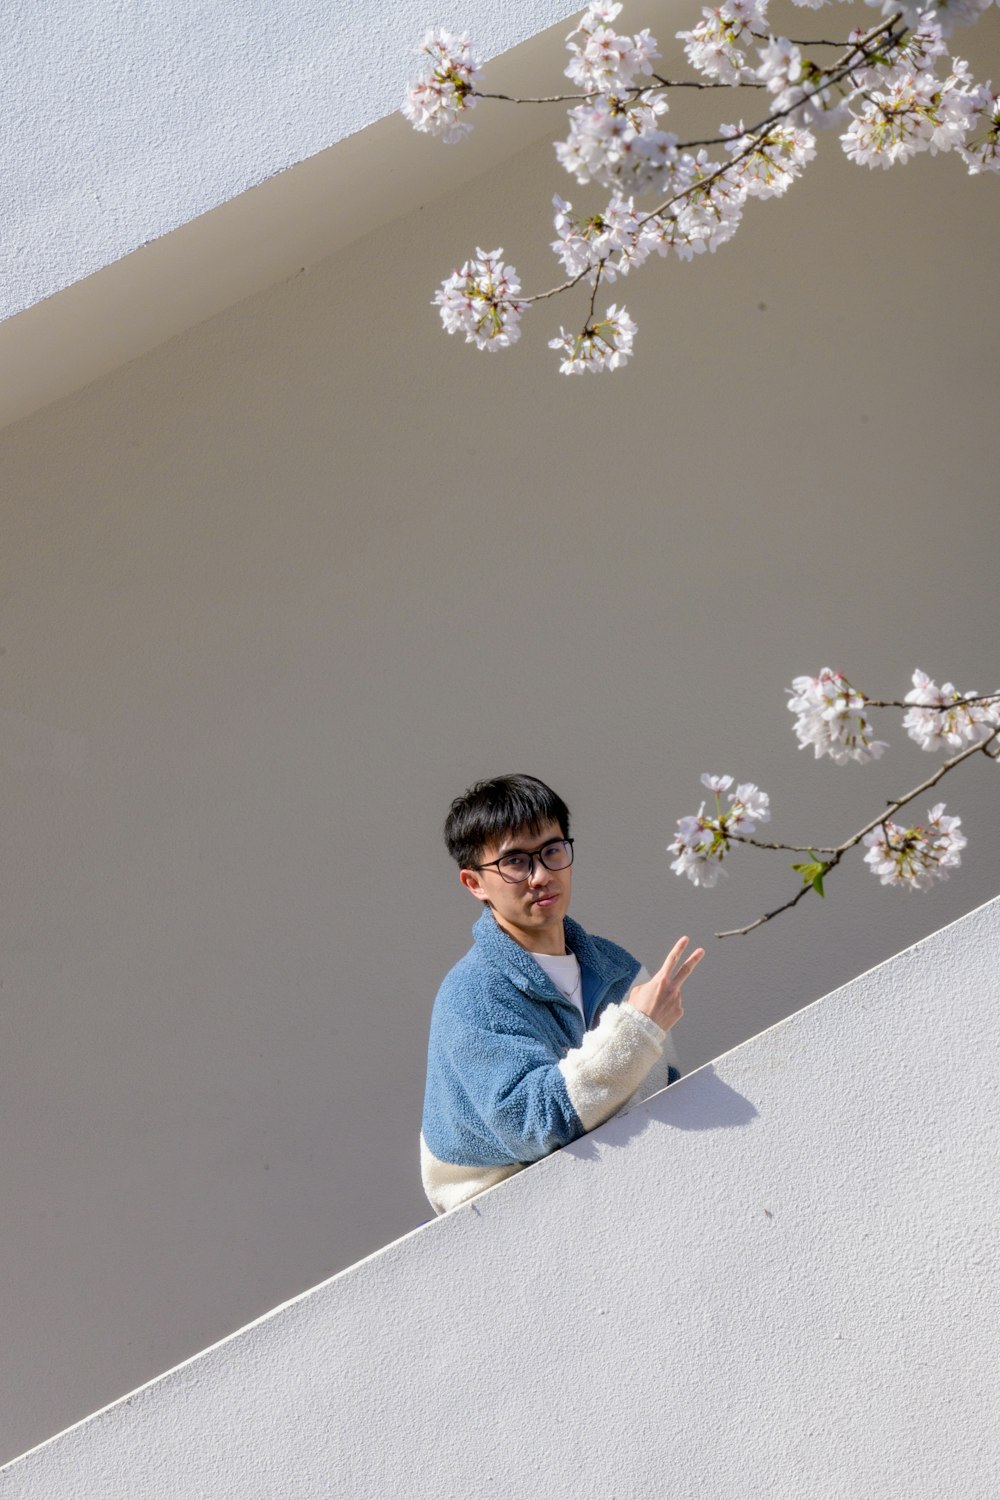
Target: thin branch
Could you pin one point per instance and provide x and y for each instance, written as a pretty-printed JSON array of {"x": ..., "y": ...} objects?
[
  {"x": 741, "y": 931},
  {"x": 541, "y": 99},
  {"x": 936, "y": 707},
  {"x": 555, "y": 290},
  {"x": 918, "y": 791},
  {"x": 705, "y": 83},
  {"x": 838, "y": 853},
  {"x": 742, "y": 838}
]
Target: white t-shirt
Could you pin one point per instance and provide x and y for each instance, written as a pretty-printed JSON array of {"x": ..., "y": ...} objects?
[{"x": 564, "y": 971}]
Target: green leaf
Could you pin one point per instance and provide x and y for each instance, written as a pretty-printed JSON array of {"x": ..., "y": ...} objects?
[{"x": 812, "y": 872}]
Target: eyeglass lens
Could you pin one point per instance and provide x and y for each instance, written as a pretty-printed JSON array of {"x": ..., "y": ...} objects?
[{"x": 518, "y": 867}]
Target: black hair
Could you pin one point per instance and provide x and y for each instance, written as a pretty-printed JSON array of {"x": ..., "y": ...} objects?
[{"x": 492, "y": 810}]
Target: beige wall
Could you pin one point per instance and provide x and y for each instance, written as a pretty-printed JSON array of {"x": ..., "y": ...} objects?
[{"x": 273, "y": 593}]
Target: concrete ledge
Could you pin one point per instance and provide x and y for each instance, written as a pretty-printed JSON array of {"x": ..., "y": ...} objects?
[{"x": 777, "y": 1278}]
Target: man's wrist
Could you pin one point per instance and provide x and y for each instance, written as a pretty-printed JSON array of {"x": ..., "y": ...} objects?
[{"x": 655, "y": 1032}]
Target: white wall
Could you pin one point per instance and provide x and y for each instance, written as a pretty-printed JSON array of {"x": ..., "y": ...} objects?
[
  {"x": 775, "y": 1279},
  {"x": 122, "y": 122},
  {"x": 273, "y": 593}
]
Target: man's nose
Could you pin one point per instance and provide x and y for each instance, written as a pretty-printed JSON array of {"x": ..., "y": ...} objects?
[{"x": 539, "y": 874}]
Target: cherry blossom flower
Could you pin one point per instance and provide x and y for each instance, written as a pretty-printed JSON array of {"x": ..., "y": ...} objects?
[
  {"x": 749, "y": 805},
  {"x": 604, "y": 344},
  {"x": 780, "y": 64},
  {"x": 939, "y": 718},
  {"x": 439, "y": 100},
  {"x": 614, "y": 142},
  {"x": 831, "y": 718},
  {"x": 705, "y": 211},
  {"x": 775, "y": 160},
  {"x": 947, "y": 14},
  {"x": 981, "y": 151},
  {"x": 603, "y": 61},
  {"x": 716, "y": 45},
  {"x": 583, "y": 244},
  {"x": 480, "y": 301},
  {"x": 916, "y": 857},
  {"x": 910, "y": 113},
  {"x": 703, "y": 841}
]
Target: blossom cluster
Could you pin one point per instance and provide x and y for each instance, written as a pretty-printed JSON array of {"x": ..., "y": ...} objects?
[
  {"x": 481, "y": 301},
  {"x": 832, "y": 719},
  {"x": 942, "y": 717},
  {"x": 717, "y": 45},
  {"x": 604, "y": 344},
  {"x": 704, "y": 839},
  {"x": 904, "y": 113},
  {"x": 603, "y": 61},
  {"x": 893, "y": 93},
  {"x": 618, "y": 143},
  {"x": 915, "y": 857},
  {"x": 439, "y": 100},
  {"x": 582, "y": 244}
]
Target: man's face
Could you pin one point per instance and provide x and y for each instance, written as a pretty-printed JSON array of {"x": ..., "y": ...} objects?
[{"x": 531, "y": 912}]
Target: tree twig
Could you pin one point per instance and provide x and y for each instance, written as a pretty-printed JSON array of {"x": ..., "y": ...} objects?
[{"x": 838, "y": 853}]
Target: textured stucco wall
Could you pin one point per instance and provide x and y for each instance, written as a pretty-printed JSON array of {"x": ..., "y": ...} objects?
[
  {"x": 776, "y": 1279},
  {"x": 272, "y": 594},
  {"x": 121, "y": 122}
]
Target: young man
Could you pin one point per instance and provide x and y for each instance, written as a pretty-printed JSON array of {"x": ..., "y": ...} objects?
[{"x": 541, "y": 1032}]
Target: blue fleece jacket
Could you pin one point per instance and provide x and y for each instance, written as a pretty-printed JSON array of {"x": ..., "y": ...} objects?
[{"x": 512, "y": 1065}]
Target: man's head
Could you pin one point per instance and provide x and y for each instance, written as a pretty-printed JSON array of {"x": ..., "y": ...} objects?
[{"x": 509, "y": 837}]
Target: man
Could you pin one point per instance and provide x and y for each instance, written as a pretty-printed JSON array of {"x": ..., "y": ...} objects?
[{"x": 541, "y": 1032}]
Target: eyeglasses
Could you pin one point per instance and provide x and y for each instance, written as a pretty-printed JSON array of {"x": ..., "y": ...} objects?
[{"x": 519, "y": 866}]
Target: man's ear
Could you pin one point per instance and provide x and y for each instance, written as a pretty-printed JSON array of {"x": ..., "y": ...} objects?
[{"x": 472, "y": 881}]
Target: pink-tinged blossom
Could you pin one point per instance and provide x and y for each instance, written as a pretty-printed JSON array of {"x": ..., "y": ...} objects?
[
  {"x": 831, "y": 718},
  {"x": 947, "y": 14},
  {"x": 617, "y": 142},
  {"x": 939, "y": 719},
  {"x": 603, "y": 61},
  {"x": 481, "y": 301},
  {"x": 703, "y": 840},
  {"x": 981, "y": 151},
  {"x": 749, "y": 805},
  {"x": 584, "y": 243},
  {"x": 908, "y": 113},
  {"x": 768, "y": 165},
  {"x": 705, "y": 211},
  {"x": 716, "y": 46},
  {"x": 605, "y": 344},
  {"x": 440, "y": 99},
  {"x": 780, "y": 64},
  {"x": 916, "y": 857}
]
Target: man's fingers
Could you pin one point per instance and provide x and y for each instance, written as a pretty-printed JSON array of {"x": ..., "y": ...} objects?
[
  {"x": 689, "y": 965},
  {"x": 672, "y": 957}
]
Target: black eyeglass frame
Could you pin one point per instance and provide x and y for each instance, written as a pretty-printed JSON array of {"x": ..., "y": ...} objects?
[{"x": 531, "y": 855}]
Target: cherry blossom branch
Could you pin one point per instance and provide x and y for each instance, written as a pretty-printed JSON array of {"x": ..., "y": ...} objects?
[
  {"x": 884, "y": 83},
  {"x": 837, "y": 854},
  {"x": 857, "y": 52}
]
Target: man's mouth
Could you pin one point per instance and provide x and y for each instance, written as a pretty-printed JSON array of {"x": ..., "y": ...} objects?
[{"x": 546, "y": 900}]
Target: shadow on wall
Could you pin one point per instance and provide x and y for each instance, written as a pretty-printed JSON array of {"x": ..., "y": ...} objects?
[{"x": 712, "y": 1105}]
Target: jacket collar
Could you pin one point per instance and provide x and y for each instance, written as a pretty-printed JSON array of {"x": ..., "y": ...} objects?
[{"x": 518, "y": 965}]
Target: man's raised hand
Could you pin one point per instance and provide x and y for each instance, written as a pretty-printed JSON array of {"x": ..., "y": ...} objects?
[{"x": 659, "y": 998}]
